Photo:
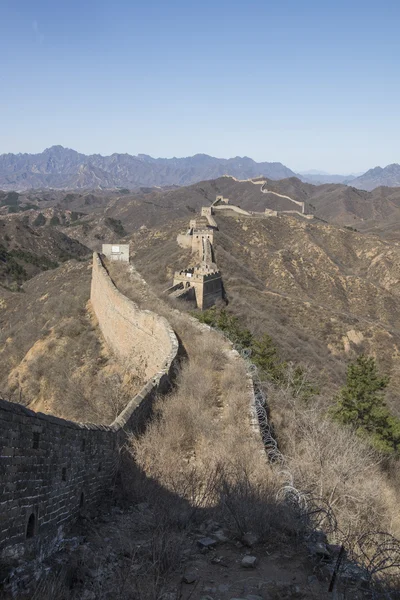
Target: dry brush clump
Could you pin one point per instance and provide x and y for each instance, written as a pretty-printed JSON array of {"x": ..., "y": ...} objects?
[{"x": 334, "y": 466}]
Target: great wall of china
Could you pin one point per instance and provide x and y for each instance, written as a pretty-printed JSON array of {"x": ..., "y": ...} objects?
[
  {"x": 53, "y": 469},
  {"x": 203, "y": 282}
]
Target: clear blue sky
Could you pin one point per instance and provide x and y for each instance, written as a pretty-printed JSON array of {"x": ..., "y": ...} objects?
[{"x": 310, "y": 83}]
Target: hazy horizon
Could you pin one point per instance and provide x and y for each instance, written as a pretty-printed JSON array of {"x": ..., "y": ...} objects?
[{"x": 306, "y": 84}]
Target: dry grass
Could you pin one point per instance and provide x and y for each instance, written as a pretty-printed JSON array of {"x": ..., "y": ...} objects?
[
  {"x": 201, "y": 425},
  {"x": 53, "y": 357},
  {"x": 334, "y": 466}
]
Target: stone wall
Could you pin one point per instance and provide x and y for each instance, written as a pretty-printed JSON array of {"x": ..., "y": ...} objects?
[
  {"x": 52, "y": 469},
  {"x": 138, "y": 337},
  {"x": 211, "y": 291},
  {"x": 230, "y": 208},
  {"x": 197, "y": 240}
]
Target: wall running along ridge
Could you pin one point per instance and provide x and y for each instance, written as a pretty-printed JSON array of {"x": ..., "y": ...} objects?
[{"x": 51, "y": 469}]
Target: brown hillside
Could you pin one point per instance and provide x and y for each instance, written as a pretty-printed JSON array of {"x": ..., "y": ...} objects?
[
  {"x": 338, "y": 204},
  {"x": 52, "y": 355},
  {"x": 152, "y": 207},
  {"x": 26, "y": 250},
  {"x": 323, "y": 293}
]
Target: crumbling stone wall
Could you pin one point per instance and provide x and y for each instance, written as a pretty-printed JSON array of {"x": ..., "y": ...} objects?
[{"x": 52, "y": 469}]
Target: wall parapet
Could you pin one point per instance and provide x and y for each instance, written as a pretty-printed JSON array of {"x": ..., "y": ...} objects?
[{"x": 51, "y": 468}]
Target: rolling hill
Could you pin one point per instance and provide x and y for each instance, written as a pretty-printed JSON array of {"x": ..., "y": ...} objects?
[{"x": 95, "y": 216}]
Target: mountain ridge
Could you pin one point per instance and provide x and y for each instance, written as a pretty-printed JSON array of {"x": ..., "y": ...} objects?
[
  {"x": 64, "y": 168},
  {"x": 388, "y": 176}
]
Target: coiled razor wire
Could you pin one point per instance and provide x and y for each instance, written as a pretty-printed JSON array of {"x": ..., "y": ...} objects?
[{"x": 288, "y": 492}]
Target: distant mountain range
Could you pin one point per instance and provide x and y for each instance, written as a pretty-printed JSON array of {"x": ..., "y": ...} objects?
[
  {"x": 62, "y": 168},
  {"x": 389, "y": 176}
]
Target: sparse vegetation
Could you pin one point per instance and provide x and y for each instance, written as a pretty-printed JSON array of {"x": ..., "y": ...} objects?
[
  {"x": 326, "y": 462},
  {"x": 42, "y": 262},
  {"x": 53, "y": 358},
  {"x": 115, "y": 225},
  {"x": 261, "y": 350},
  {"x": 13, "y": 271},
  {"x": 306, "y": 427},
  {"x": 54, "y": 221},
  {"x": 198, "y": 446},
  {"x": 10, "y": 199},
  {"x": 40, "y": 220}
]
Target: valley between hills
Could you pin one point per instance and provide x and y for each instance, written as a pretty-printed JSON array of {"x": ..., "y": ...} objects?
[{"x": 324, "y": 291}]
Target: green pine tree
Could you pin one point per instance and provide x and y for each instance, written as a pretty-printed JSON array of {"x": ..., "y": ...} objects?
[
  {"x": 264, "y": 355},
  {"x": 361, "y": 404}
]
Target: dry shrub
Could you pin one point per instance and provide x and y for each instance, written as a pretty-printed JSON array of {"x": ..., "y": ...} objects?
[
  {"x": 334, "y": 466},
  {"x": 249, "y": 507},
  {"x": 198, "y": 433}
]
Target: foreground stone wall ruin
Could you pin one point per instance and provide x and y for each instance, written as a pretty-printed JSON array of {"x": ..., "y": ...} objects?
[{"x": 52, "y": 469}]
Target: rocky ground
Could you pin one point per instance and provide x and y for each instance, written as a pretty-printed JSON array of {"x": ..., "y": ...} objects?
[{"x": 129, "y": 553}]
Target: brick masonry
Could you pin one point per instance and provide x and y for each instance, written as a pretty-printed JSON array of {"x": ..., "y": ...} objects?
[{"x": 52, "y": 469}]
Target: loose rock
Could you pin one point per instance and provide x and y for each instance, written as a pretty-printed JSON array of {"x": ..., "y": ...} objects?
[
  {"x": 221, "y": 536},
  {"x": 189, "y": 578},
  {"x": 249, "y": 562},
  {"x": 206, "y": 542}
]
